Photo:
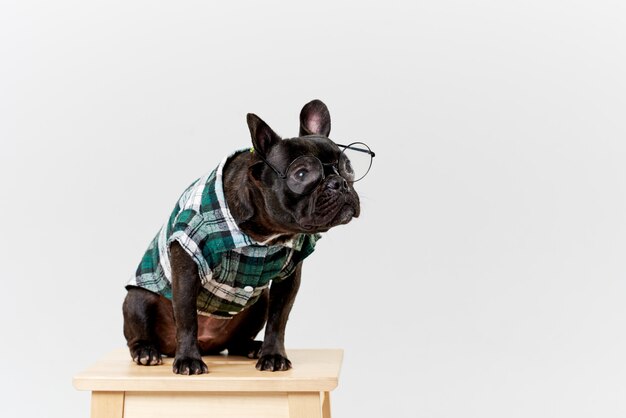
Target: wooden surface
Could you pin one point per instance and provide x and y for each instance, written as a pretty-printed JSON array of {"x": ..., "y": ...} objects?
[
  {"x": 313, "y": 371},
  {"x": 206, "y": 404},
  {"x": 107, "y": 404},
  {"x": 325, "y": 404},
  {"x": 305, "y": 404}
]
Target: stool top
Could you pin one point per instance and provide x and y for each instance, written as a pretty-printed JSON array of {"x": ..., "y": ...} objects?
[{"x": 313, "y": 371}]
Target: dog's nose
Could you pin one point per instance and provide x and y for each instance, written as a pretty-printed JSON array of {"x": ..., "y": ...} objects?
[{"x": 336, "y": 183}]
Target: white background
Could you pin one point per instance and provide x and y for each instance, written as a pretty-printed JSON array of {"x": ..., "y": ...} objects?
[{"x": 486, "y": 275}]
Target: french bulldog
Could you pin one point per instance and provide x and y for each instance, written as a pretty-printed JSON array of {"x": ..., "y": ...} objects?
[{"x": 203, "y": 285}]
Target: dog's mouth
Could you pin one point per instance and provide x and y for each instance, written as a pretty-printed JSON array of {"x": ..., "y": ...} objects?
[
  {"x": 331, "y": 210},
  {"x": 344, "y": 215}
]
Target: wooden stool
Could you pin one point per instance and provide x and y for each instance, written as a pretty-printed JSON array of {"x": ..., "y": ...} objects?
[{"x": 232, "y": 388}]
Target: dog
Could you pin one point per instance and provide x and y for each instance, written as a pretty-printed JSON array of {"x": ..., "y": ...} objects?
[{"x": 203, "y": 285}]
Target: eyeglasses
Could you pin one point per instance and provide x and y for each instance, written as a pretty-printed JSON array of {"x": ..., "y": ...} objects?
[{"x": 306, "y": 172}]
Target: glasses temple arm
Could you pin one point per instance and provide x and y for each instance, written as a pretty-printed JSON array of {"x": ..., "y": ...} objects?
[
  {"x": 370, "y": 152},
  {"x": 258, "y": 154}
]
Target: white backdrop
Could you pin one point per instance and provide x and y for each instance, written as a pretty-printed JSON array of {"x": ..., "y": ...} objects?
[{"x": 486, "y": 275}]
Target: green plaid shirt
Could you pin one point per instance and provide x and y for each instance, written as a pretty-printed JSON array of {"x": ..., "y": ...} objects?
[{"x": 234, "y": 269}]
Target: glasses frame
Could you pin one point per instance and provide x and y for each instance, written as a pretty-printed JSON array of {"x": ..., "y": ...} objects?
[{"x": 350, "y": 146}]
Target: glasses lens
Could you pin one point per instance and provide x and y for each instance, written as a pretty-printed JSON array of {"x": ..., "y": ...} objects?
[
  {"x": 304, "y": 174},
  {"x": 355, "y": 161}
]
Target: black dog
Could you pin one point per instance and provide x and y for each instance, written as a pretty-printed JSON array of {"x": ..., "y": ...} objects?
[{"x": 203, "y": 285}]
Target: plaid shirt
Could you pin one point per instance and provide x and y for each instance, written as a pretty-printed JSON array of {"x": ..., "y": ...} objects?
[{"x": 234, "y": 269}]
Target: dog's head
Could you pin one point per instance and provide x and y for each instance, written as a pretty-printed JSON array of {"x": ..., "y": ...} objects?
[{"x": 306, "y": 182}]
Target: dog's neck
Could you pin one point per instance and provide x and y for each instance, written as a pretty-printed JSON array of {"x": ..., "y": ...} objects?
[{"x": 241, "y": 197}]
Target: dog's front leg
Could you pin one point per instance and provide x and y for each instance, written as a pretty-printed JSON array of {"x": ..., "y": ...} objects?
[
  {"x": 273, "y": 356},
  {"x": 185, "y": 288}
]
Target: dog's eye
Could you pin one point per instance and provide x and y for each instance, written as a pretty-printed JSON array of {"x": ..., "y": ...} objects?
[
  {"x": 304, "y": 174},
  {"x": 301, "y": 174}
]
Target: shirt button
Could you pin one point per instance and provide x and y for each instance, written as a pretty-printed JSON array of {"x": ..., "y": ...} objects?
[{"x": 248, "y": 289}]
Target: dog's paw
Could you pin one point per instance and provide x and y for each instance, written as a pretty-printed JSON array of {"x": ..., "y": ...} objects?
[
  {"x": 146, "y": 355},
  {"x": 273, "y": 363},
  {"x": 251, "y": 349},
  {"x": 189, "y": 365}
]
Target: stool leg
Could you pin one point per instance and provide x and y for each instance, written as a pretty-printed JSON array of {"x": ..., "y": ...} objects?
[
  {"x": 107, "y": 404},
  {"x": 305, "y": 405},
  {"x": 326, "y": 404}
]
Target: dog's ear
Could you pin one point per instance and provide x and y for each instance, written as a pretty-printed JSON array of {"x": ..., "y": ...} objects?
[
  {"x": 263, "y": 138},
  {"x": 314, "y": 119}
]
